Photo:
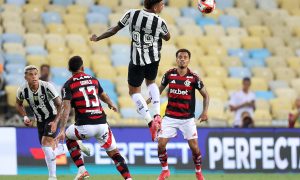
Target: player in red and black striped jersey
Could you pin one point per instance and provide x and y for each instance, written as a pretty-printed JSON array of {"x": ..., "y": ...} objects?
[
  {"x": 180, "y": 111},
  {"x": 84, "y": 92}
]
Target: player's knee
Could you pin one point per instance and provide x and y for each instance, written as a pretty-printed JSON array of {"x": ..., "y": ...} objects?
[
  {"x": 112, "y": 152},
  {"x": 47, "y": 141},
  {"x": 161, "y": 146}
]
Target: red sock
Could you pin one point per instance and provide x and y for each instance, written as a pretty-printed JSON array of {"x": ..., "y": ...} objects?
[
  {"x": 163, "y": 158},
  {"x": 197, "y": 158},
  {"x": 75, "y": 152},
  {"x": 121, "y": 165}
]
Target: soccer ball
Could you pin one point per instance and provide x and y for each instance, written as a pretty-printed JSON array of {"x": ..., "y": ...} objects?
[{"x": 206, "y": 6}]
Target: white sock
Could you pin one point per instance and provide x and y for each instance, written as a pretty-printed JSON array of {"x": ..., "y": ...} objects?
[
  {"x": 142, "y": 106},
  {"x": 50, "y": 158},
  {"x": 81, "y": 169},
  {"x": 165, "y": 168},
  {"x": 59, "y": 150},
  {"x": 155, "y": 97}
]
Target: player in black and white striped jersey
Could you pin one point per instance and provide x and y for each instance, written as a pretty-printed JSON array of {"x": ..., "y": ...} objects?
[
  {"x": 147, "y": 30},
  {"x": 44, "y": 101}
]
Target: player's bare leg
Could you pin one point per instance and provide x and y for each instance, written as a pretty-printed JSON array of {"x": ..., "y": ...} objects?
[
  {"x": 163, "y": 158},
  {"x": 155, "y": 100},
  {"x": 50, "y": 157},
  {"x": 75, "y": 153},
  {"x": 197, "y": 158},
  {"x": 120, "y": 163},
  {"x": 138, "y": 99}
]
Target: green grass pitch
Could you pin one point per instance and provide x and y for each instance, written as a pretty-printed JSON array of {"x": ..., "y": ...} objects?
[{"x": 174, "y": 177}]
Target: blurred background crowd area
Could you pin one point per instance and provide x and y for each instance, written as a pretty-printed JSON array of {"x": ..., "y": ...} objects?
[{"x": 259, "y": 39}]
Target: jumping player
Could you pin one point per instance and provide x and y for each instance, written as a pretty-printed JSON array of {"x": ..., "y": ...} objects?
[
  {"x": 180, "y": 111},
  {"x": 83, "y": 92},
  {"x": 147, "y": 30}
]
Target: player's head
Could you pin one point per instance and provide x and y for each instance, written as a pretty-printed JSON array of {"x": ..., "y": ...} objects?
[
  {"x": 75, "y": 64},
  {"x": 183, "y": 57},
  {"x": 155, "y": 5},
  {"x": 45, "y": 72},
  {"x": 31, "y": 75},
  {"x": 246, "y": 83}
]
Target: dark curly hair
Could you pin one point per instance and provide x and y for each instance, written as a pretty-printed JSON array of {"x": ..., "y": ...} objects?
[{"x": 150, "y": 3}]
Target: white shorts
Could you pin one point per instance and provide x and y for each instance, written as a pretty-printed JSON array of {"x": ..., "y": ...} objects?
[
  {"x": 169, "y": 128},
  {"x": 101, "y": 132}
]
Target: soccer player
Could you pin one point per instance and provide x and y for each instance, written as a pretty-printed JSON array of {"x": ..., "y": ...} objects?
[
  {"x": 147, "y": 30},
  {"x": 83, "y": 92},
  {"x": 180, "y": 111},
  {"x": 44, "y": 101}
]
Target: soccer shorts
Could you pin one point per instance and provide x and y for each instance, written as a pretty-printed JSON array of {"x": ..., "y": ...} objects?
[
  {"x": 169, "y": 128},
  {"x": 101, "y": 132},
  {"x": 137, "y": 74},
  {"x": 44, "y": 129}
]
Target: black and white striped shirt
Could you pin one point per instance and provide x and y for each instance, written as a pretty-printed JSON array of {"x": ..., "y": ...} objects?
[
  {"x": 146, "y": 30},
  {"x": 40, "y": 102}
]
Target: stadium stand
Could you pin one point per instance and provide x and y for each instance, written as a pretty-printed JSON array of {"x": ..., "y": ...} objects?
[{"x": 257, "y": 39}]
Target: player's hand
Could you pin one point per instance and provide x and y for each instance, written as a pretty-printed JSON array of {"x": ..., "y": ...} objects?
[
  {"x": 93, "y": 38},
  {"x": 203, "y": 117},
  {"x": 27, "y": 121},
  {"x": 113, "y": 107},
  {"x": 53, "y": 126},
  {"x": 60, "y": 137},
  {"x": 148, "y": 101}
]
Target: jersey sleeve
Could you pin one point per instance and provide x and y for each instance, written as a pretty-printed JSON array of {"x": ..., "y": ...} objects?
[
  {"x": 20, "y": 95},
  {"x": 51, "y": 91},
  {"x": 199, "y": 83},
  {"x": 165, "y": 80},
  {"x": 124, "y": 21},
  {"x": 164, "y": 28},
  {"x": 66, "y": 92}
]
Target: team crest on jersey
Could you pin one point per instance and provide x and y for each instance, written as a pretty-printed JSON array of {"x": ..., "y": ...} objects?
[
  {"x": 187, "y": 83},
  {"x": 42, "y": 97}
]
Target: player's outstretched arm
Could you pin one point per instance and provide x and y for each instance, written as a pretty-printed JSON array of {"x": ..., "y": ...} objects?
[
  {"x": 64, "y": 111},
  {"x": 105, "y": 98},
  {"x": 204, "y": 94},
  {"x": 110, "y": 32}
]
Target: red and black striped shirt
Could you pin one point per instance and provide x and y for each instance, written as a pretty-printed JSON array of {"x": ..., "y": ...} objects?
[
  {"x": 181, "y": 93},
  {"x": 84, "y": 92}
]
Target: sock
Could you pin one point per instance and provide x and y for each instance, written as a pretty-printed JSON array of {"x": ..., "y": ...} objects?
[
  {"x": 142, "y": 106},
  {"x": 163, "y": 158},
  {"x": 121, "y": 166},
  {"x": 197, "y": 158},
  {"x": 50, "y": 159},
  {"x": 75, "y": 152},
  {"x": 155, "y": 97},
  {"x": 59, "y": 150}
]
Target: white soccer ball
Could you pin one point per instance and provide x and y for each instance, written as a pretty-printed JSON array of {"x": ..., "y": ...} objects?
[{"x": 206, "y": 6}]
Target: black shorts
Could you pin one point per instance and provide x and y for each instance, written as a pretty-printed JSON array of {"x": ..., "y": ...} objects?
[
  {"x": 45, "y": 130},
  {"x": 137, "y": 74}
]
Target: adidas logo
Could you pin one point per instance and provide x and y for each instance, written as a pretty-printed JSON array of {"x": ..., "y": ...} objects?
[{"x": 173, "y": 82}]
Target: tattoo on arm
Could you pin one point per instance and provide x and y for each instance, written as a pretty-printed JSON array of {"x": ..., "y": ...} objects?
[
  {"x": 58, "y": 105},
  {"x": 20, "y": 108},
  {"x": 65, "y": 110}
]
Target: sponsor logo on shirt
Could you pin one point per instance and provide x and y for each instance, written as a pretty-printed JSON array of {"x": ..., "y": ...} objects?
[{"x": 178, "y": 92}]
